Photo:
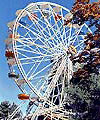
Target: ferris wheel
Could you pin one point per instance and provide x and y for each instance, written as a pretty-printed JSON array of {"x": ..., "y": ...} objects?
[{"x": 39, "y": 48}]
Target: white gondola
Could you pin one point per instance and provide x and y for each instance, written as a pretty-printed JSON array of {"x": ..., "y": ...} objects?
[
  {"x": 57, "y": 9},
  {"x": 8, "y": 41},
  {"x": 70, "y": 25},
  {"x": 46, "y": 14},
  {"x": 68, "y": 16},
  {"x": 24, "y": 13},
  {"x": 11, "y": 61},
  {"x": 11, "y": 24},
  {"x": 21, "y": 82},
  {"x": 76, "y": 26},
  {"x": 95, "y": 50},
  {"x": 44, "y": 6},
  {"x": 32, "y": 8}
]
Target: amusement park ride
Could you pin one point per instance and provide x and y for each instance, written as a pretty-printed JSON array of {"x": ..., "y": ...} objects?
[{"x": 46, "y": 45}]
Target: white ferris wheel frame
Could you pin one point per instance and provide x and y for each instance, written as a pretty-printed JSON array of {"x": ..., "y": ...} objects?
[{"x": 60, "y": 68}]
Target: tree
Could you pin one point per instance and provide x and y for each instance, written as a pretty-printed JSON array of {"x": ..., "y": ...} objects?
[
  {"x": 7, "y": 109},
  {"x": 83, "y": 96}
]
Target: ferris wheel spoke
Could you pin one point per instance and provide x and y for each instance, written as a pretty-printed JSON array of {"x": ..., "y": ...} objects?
[
  {"x": 28, "y": 31},
  {"x": 80, "y": 47},
  {"x": 77, "y": 34},
  {"x": 26, "y": 45},
  {"x": 58, "y": 33},
  {"x": 54, "y": 34},
  {"x": 28, "y": 51},
  {"x": 47, "y": 40},
  {"x": 28, "y": 62},
  {"x": 41, "y": 26},
  {"x": 70, "y": 37},
  {"x": 29, "y": 26},
  {"x": 31, "y": 41},
  {"x": 23, "y": 46},
  {"x": 35, "y": 57},
  {"x": 39, "y": 45},
  {"x": 36, "y": 35},
  {"x": 49, "y": 26},
  {"x": 62, "y": 26},
  {"x": 79, "y": 43},
  {"x": 63, "y": 34},
  {"x": 42, "y": 86},
  {"x": 38, "y": 65},
  {"x": 59, "y": 36},
  {"x": 25, "y": 57},
  {"x": 88, "y": 28},
  {"x": 70, "y": 33},
  {"x": 33, "y": 71},
  {"x": 44, "y": 48},
  {"x": 40, "y": 77},
  {"x": 53, "y": 41},
  {"x": 39, "y": 62},
  {"x": 58, "y": 28},
  {"x": 40, "y": 83},
  {"x": 26, "y": 40},
  {"x": 41, "y": 70},
  {"x": 66, "y": 37},
  {"x": 41, "y": 30},
  {"x": 30, "y": 69}
]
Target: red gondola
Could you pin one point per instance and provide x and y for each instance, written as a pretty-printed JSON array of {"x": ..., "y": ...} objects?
[
  {"x": 23, "y": 97},
  {"x": 9, "y": 54},
  {"x": 11, "y": 36},
  {"x": 16, "y": 36},
  {"x": 58, "y": 17},
  {"x": 32, "y": 16},
  {"x": 66, "y": 22}
]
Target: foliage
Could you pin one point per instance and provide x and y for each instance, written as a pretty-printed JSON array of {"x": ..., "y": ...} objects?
[
  {"x": 83, "y": 95},
  {"x": 7, "y": 109}
]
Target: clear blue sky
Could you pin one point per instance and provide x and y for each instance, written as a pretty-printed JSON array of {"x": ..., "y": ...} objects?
[{"x": 8, "y": 89}]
